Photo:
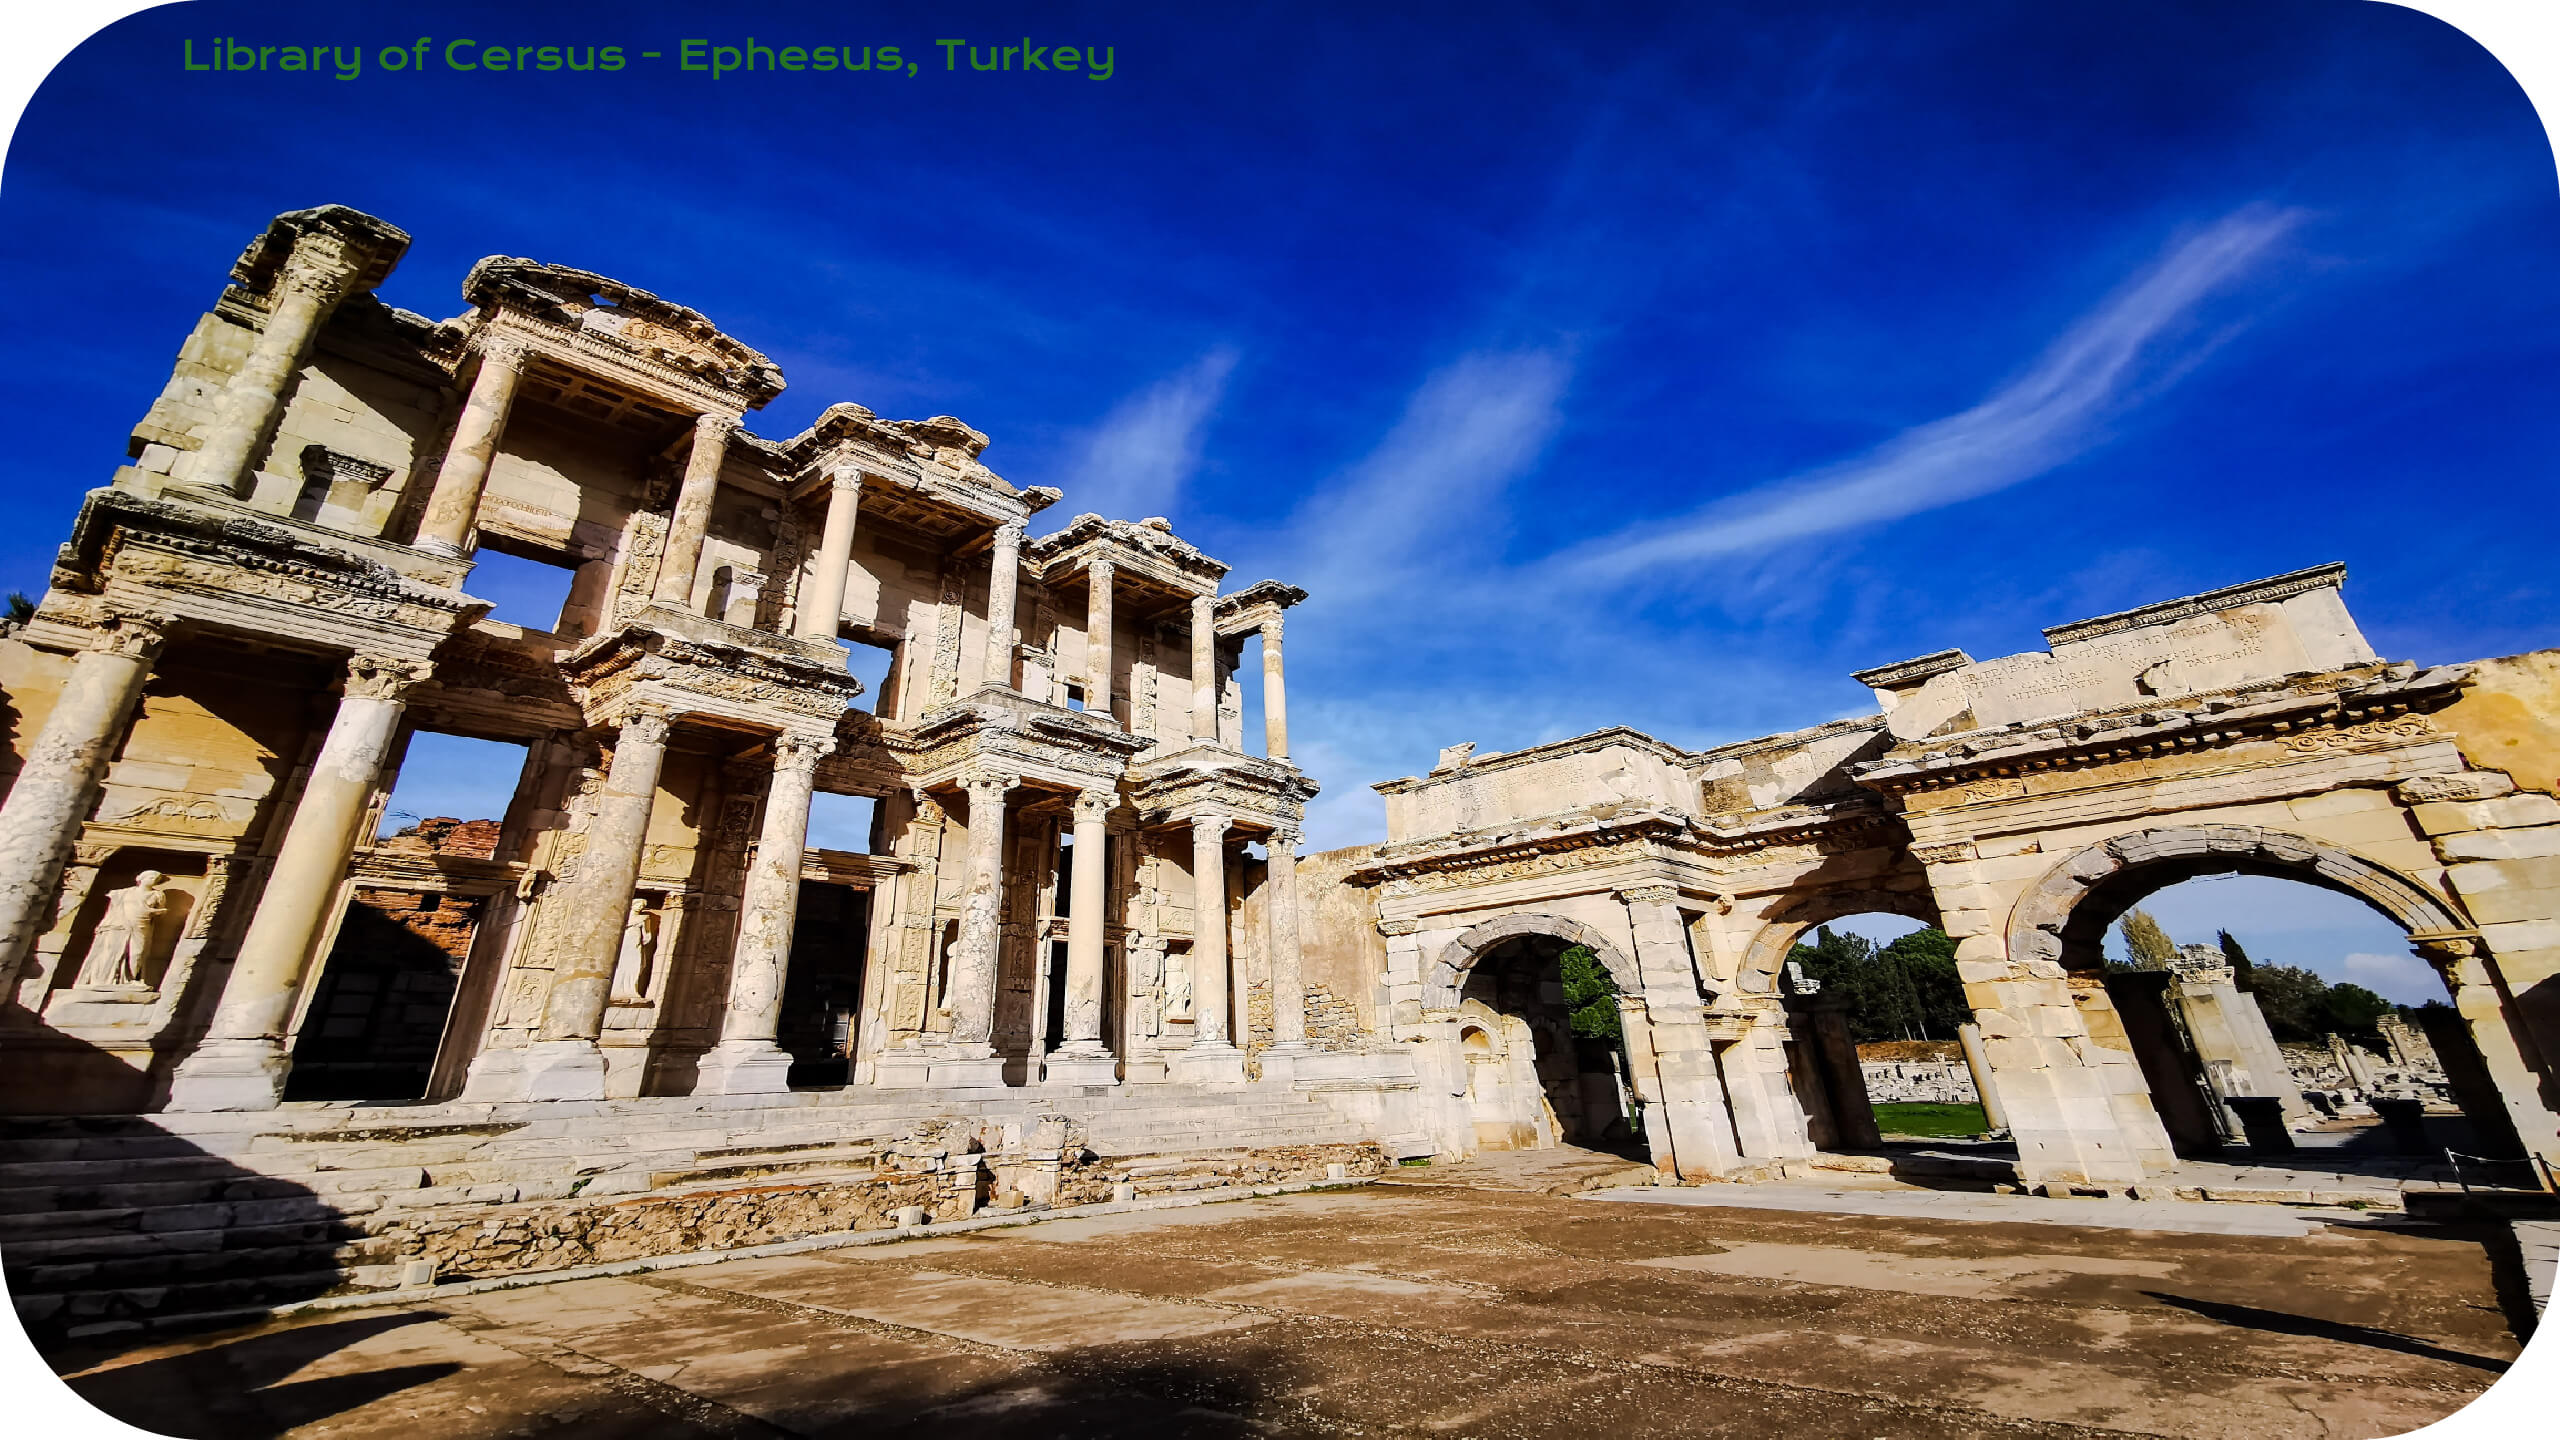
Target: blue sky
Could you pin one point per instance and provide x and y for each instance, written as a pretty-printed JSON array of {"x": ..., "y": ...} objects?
[{"x": 1589, "y": 368}]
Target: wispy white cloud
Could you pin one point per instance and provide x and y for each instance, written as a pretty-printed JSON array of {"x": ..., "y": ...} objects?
[
  {"x": 2403, "y": 978},
  {"x": 1145, "y": 450},
  {"x": 1470, "y": 429},
  {"x": 2120, "y": 352}
]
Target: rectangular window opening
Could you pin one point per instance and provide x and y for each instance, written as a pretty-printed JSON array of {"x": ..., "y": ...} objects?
[
  {"x": 452, "y": 793},
  {"x": 526, "y": 588}
]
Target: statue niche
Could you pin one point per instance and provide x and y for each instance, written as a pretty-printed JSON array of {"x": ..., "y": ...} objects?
[{"x": 135, "y": 934}]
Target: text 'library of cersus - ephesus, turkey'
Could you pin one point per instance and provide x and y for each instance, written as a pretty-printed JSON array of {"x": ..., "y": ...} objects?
[{"x": 1081, "y": 911}]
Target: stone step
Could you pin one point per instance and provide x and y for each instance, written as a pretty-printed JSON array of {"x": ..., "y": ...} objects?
[
  {"x": 75, "y": 1311},
  {"x": 146, "y": 1194},
  {"x": 60, "y": 1273}
]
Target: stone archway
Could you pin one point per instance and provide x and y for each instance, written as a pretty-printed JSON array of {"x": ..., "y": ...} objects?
[
  {"x": 1769, "y": 949},
  {"x": 1445, "y": 978},
  {"x": 2196, "y": 1039},
  {"x": 2056, "y": 921}
]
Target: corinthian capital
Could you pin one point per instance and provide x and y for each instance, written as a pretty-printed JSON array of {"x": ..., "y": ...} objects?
[
  {"x": 375, "y": 677},
  {"x": 990, "y": 783},
  {"x": 319, "y": 268},
  {"x": 802, "y": 752},
  {"x": 507, "y": 352},
  {"x": 134, "y": 637},
  {"x": 715, "y": 426},
  {"x": 846, "y": 480},
  {"x": 1094, "y": 806},
  {"x": 1649, "y": 895},
  {"x": 644, "y": 727}
]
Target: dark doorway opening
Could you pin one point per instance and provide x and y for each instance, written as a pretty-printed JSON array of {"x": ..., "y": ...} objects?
[
  {"x": 379, "y": 1011},
  {"x": 822, "y": 993}
]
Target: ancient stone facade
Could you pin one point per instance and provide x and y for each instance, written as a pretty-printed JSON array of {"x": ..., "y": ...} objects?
[
  {"x": 2021, "y": 804},
  {"x": 254, "y": 616},
  {"x": 638, "y": 1010}
]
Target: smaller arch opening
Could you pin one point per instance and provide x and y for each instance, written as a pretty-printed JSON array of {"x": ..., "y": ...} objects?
[
  {"x": 1874, "y": 1013},
  {"x": 1573, "y": 1085}
]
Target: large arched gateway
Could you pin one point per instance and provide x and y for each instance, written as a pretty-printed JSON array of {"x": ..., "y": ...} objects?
[{"x": 2021, "y": 804}]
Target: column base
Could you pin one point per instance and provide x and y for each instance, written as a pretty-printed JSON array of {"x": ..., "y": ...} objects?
[
  {"x": 564, "y": 1070},
  {"x": 230, "y": 1075},
  {"x": 743, "y": 1067},
  {"x": 1280, "y": 1062},
  {"x": 1068, "y": 1065},
  {"x": 494, "y": 1075},
  {"x": 986, "y": 1074},
  {"x": 1212, "y": 1062},
  {"x": 902, "y": 1070}
]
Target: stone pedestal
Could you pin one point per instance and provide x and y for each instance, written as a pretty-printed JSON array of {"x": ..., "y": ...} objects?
[
  {"x": 959, "y": 1067},
  {"x": 1207, "y": 1063},
  {"x": 1063, "y": 1068}
]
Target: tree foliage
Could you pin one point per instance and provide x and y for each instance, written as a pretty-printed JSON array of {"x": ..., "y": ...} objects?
[
  {"x": 2301, "y": 1006},
  {"x": 1906, "y": 990},
  {"x": 1590, "y": 995},
  {"x": 2243, "y": 970},
  {"x": 2149, "y": 946}
]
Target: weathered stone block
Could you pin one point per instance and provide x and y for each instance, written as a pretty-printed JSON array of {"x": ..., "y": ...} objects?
[{"x": 2537, "y": 842}]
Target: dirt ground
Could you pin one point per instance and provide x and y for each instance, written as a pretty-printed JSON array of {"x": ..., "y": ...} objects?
[{"x": 1415, "y": 1308}]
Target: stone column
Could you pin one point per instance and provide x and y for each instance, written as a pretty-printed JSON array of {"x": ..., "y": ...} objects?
[
  {"x": 59, "y": 781},
  {"x": 241, "y": 1063},
  {"x": 1280, "y": 912},
  {"x": 454, "y": 506},
  {"x": 1693, "y": 1108},
  {"x": 747, "y": 1061},
  {"x": 564, "y": 1063},
  {"x": 1099, "y": 576},
  {"x": 972, "y": 996},
  {"x": 1979, "y": 1062},
  {"x": 822, "y": 607},
  {"x": 1204, "y": 667},
  {"x": 1006, "y": 572},
  {"x": 1083, "y": 1059},
  {"x": 1275, "y": 694},
  {"x": 1213, "y": 1057},
  {"x": 693, "y": 511},
  {"x": 315, "y": 278}
]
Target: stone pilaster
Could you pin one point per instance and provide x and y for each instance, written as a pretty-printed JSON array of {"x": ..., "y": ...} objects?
[
  {"x": 1213, "y": 1057},
  {"x": 969, "y": 1054},
  {"x": 1275, "y": 694},
  {"x": 683, "y": 556},
  {"x": 1099, "y": 578},
  {"x": 822, "y": 605},
  {"x": 453, "y": 508},
  {"x": 594, "y": 902},
  {"x": 59, "y": 780},
  {"x": 1204, "y": 667},
  {"x": 241, "y": 1063},
  {"x": 1693, "y": 1109},
  {"x": 747, "y": 1061},
  {"x": 321, "y": 272},
  {"x": 1003, "y": 577},
  {"x": 1082, "y": 1058}
]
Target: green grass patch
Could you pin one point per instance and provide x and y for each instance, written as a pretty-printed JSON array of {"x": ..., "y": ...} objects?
[{"x": 1931, "y": 1120}]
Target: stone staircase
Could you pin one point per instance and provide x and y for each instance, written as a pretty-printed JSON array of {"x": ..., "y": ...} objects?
[{"x": 111, "y": 1219}]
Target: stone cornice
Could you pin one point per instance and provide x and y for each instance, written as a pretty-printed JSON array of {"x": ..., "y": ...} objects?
[
  {"x": 2327, "y": 707},
  {"x": 1553, "y": 749},
  {"x": 1133, "y": 548},
  {"x": 2230, "y": 597},
  {"x": 600, "y": 318}
]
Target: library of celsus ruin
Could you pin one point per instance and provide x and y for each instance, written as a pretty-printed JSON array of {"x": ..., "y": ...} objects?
[{"x": 1081, "y": 934}]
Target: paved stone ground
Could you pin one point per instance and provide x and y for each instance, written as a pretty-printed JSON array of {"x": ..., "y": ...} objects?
[{"x": 1399, "y": 1309}]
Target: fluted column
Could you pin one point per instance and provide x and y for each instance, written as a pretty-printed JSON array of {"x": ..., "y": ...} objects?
[
  {"x": 1280, "y": 913},
  {"x": 822, "y": 607},
  {"x": 1006, "y": 572},
  {"x": 564, "y": 1063},
  {"x": 972, "y": 999},
  {"x": 454, "y": 506},
  {"x": 1204, "y": 667},
  {"x": 747, "y": 1061},
  {"x": 1082, "y": 1058},
  {"x": 315, "y": 278},
  {"x": 241, "y": 1063},
  {"x": 1099, "y": 576},
  {"x": 692, "y": 521},
  {"x": 55, "y": 787},
  {"x": 1275, "y": 695}
]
